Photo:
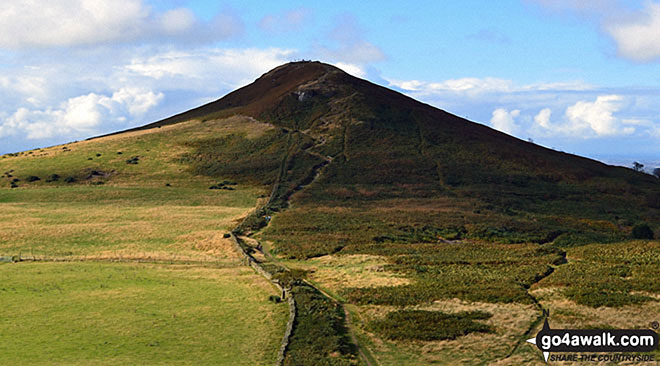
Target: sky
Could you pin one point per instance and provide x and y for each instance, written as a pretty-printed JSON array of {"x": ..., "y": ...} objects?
[{"x": 577, "y": 76}]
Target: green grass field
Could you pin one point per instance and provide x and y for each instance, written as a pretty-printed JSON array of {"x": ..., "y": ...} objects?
[{"x": 136, "y": 314}]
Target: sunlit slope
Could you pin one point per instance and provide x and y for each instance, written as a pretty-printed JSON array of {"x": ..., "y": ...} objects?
[
  {"x": 123, "y": 254},
  {"x": 130, "y": 196}
]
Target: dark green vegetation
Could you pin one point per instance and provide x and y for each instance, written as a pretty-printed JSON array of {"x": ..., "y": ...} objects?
[
  {"x": 476, "y": 272},
  {"x": 642, "y": 231},
  {"x": 319, "y": 335},
  {"x": 611, "y": 275},
  {"x": 429, "y": 325}
]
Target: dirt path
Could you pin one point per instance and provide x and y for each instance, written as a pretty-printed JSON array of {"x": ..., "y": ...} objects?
[
  {"x": 314, "y": 174},
  {"x": 532, "y": 327}
]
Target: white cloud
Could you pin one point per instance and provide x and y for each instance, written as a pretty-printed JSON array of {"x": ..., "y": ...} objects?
[
  {"x": 475, "y": 87},
  {"x": 639, "y": 38},
  {"x": 82, "y": 115},
  {"x": 543, "y": 118},
  {"x": 597, "y": 116},
  {"x": 65, "y": 23},
  {"x": 177, "y": 21},
  {"x": 291, "y": 20},
  {"x": 464, "y": 85},
  {"x": 63, "y": 99},
  {"x": 504, "y": 120},
  {"x": 636, "y": 32},
  {"x": 206, "y": 68},
  {"x": 589, "y": 119},
  {"x": 352, "y": 69}
]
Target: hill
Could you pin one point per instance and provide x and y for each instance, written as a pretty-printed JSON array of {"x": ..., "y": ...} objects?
[
  {"x": 411, "y": 206},
  {"x": 404, "y": 234},
  {"x": 381, "y": 145}
]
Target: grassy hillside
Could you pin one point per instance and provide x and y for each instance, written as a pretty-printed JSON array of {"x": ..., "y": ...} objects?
[{"x": 147, "y": 277}]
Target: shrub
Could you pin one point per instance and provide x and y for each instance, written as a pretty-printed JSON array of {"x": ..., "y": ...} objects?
[
  {"x": 429, "y": 325},
  {"x": 69, "y": 179},
  {"x": 53, "y": 178},
  {"x": 33, "y": 178},
  {"x": 133, "y": 160},
  {"x": 226, "y": 235},
  {"x": 274, "y": 298},
  {"x": 642, "y": 231}
]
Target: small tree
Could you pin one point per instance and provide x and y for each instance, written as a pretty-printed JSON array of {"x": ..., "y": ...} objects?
[
  {"x": 656, "y": 172},
  {"x": 638, "y": 166}
]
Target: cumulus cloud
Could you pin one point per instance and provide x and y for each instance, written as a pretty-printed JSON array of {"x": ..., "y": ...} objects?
[
  {"x": 589, "y": 119},
  {"x": 639, "y": 37},
  {"x": 81, "y": 115},
  {"x": 504, "y": 120},
  {"x": 636, "y": 32},
  {"x": 355, "y": 70},
  {"x": 206, "y": 67},
  {"x": 543, "y": 118},
  {"x": 598, "y": 116},
  {"x": 65, "y": 23},
  {"x": 291, "y": 20},
  {"x": 55, "y": 101},
  {"x": 473, "y": 86},
  {"x": 573, "y": 110}
]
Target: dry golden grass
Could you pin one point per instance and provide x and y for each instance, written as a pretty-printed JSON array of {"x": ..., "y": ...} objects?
[
  {"x": 566, "y": 314},
  {"x": 337, "y": 272},
  {"x": 110, "y": 230}
]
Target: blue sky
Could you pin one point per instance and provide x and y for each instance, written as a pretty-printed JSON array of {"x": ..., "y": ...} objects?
[{"x": 581, "y": 77}]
